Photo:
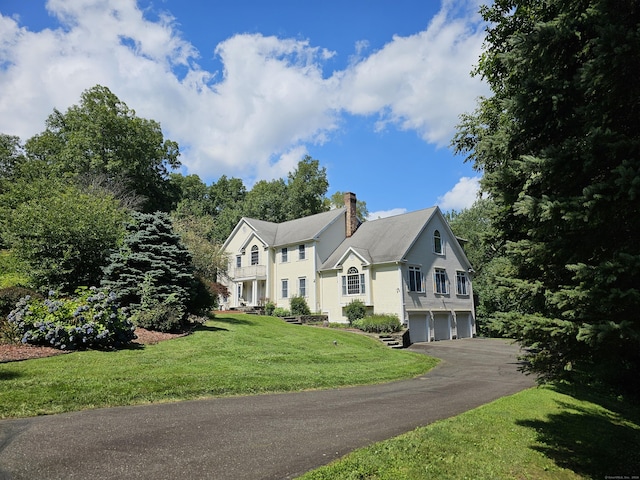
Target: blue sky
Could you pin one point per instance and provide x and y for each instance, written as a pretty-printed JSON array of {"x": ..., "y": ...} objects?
[{"x": 371, "y": 88}]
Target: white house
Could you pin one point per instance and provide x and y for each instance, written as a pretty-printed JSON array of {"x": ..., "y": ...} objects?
[{"x": 410, "y": 265}]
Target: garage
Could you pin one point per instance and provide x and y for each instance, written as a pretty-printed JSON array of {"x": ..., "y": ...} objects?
[
  {"x": 442, "y": 327},
  {"x": 418, "y": 328},
  {"x": 464, "y": 325}
]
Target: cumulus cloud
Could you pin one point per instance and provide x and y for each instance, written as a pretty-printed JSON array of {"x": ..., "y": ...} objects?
[
  {"x": 462, "y": 195},
  {"x": 269, "y": 102},
  {"x": 386, "y": 213}
]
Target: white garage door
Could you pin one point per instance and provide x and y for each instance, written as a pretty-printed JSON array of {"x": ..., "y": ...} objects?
[
  {"x": 441, "y": 327},
  {"x": 418, "y": 328},
  {"x": 464, "y": 325}
]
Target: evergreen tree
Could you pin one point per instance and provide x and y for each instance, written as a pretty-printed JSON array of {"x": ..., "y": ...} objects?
[
  {"x": 559, "y": 146},
  {"x": 152, "y": 266}
]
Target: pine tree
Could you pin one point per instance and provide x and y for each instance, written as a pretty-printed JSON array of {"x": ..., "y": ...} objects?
[
  {"x": 152, "y": 265},
  {"x": 559, "y": 145}
]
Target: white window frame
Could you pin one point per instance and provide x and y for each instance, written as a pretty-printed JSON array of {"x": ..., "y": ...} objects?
[
  {"x": 285, "y": 288},
  {"x": 438, "y": 244},
  {"x": 417, "y": 278},
  {"x": 353, "y": 283},
  {"x": 302, "y": 253},
  {"x": 255, "y": 255},
  {"x": 440, "y": 281},
  {"x": 462, "y": 283},
  {"x": 238, "y": 261},
  {"x": 285, "y": 254},
  {"x": 302, "y": 286}
]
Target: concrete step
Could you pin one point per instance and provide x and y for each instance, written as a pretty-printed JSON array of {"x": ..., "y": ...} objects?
[{"x": 292, "y": 320}]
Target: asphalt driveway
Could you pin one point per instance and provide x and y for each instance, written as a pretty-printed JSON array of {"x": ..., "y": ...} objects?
[{"x": 258, "y": 437}]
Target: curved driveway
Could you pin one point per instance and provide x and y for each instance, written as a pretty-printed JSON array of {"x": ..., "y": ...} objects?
[{"x": 256, "y": 437}]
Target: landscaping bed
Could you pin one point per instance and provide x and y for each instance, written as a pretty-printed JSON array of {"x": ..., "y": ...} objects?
[{"x": 17, "y": 352}]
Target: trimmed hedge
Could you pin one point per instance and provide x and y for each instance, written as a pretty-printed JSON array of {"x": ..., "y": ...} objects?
[{"x": 378, "y": 324}]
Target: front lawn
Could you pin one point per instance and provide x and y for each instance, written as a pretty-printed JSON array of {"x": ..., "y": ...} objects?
[
  {"x": 540, "y": 433},
  {"x": 230, "y": 355}
]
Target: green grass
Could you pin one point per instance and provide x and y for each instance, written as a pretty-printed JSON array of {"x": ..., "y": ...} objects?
[
  {"x": 11, "y": 271},
  {"x": 541, "y": 433},
  {"x": 231, "y": 355}
]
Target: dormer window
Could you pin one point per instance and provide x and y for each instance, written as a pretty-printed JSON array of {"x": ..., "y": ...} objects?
[
  {"x": 254, "y": 255},
  {"x": 437, "y": 242}
]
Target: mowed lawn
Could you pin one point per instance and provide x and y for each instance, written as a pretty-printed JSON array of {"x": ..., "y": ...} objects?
[
  {"x": 230, "y": 355},
  {"x": 545, "y": 433}
]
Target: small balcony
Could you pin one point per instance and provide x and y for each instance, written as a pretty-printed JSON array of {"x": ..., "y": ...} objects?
[{"x": 248, "y": 273}]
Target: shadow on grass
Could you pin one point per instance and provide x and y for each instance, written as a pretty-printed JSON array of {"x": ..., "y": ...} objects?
[
  {"x": 209, "y": 328},
  {"x": 9, "y": 374},
  {"x": 233, "y": 320},
  {"x": 589, "y": 441}
]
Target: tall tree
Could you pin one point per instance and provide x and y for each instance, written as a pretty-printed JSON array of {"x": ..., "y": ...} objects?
[
  {"x": 102, "y": 136},
  {"x": 265, "y": 201},
  {"x": 11, "y": 155},
  {"x": 337, "y": 201},
  {"x": 306, "y": 189},
  {"x": 559, "y": 145}
]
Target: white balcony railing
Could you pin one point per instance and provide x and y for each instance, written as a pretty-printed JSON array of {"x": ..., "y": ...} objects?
[{"x": 254, "y": 271}]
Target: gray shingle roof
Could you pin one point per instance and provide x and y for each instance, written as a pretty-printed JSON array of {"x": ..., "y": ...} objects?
[
  {"x": 383, "y": 240},
  {"x": 294, "y": 231}
]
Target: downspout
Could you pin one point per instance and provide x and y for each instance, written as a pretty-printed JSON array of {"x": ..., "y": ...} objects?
[{"x": 403, "y": 304}]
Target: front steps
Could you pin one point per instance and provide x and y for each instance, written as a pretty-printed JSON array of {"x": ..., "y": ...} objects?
[{"x": 391, "y": 341}]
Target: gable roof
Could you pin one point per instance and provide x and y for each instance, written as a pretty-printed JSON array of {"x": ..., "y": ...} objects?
[
  {"x": 291, "y": 232},
  {"x": 384, "y": 240}
]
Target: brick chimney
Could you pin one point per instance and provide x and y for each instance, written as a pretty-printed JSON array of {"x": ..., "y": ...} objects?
[{"x": 352, "y": 217}]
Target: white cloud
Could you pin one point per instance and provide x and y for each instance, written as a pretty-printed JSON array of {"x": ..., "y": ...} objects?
[
  {"x": 461, "y": 196},
  {"x": 421, "y": 82},
  {"x": 269, "y": 102},
  {"x": 386, "y": 213}
]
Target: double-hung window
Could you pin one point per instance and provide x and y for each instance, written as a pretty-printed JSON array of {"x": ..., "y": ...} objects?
[
  {"x": 302, "y": 287},
  {"x": 301, "y": 252},
  {"x": 285, "y": 255},
  {"x": 353, "y": 282},
  {"x": 416, "y": 281},
  {"x": 461, "y": 283},
  {"x": 440, "y": 284},
  {"x": 285, "y": 288},
  {"x": 254, "y": 255},
  {"x": 238, "y": 261}
]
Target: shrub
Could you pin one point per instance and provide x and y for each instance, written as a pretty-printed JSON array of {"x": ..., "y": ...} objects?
[
  {"x": 354, "y": 311},
  {"x": 167, "y": 316},
  {"x": 204, "y": 299},
  {"x": 269, "y": 308},
  {"x": 10, "y": 296},
  {"x": 281, "y": 312},
  {"x": 91, "y": 319},
  {"x": 299, "y": 306},
  {"x": 378, "y": 324}
]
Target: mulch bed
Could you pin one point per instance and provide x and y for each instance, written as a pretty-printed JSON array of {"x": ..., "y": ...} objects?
[{"x": 14, "y": 353}]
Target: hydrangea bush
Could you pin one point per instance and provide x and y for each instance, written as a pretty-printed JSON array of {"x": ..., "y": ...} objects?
[{"x": 91, "y": 319}]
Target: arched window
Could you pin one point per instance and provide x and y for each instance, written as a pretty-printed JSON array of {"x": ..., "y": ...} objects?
[
  {"x": 437, "y": 242},
  {"x": 353, "y": 282},
  {"x": 254, "y": 255}
]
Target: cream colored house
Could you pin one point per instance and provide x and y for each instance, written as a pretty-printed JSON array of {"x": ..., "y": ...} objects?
[{"x": 410, "y": 265}]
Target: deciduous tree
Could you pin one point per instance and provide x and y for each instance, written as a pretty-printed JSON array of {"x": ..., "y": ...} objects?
[{"x": 102, "y": 136}]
